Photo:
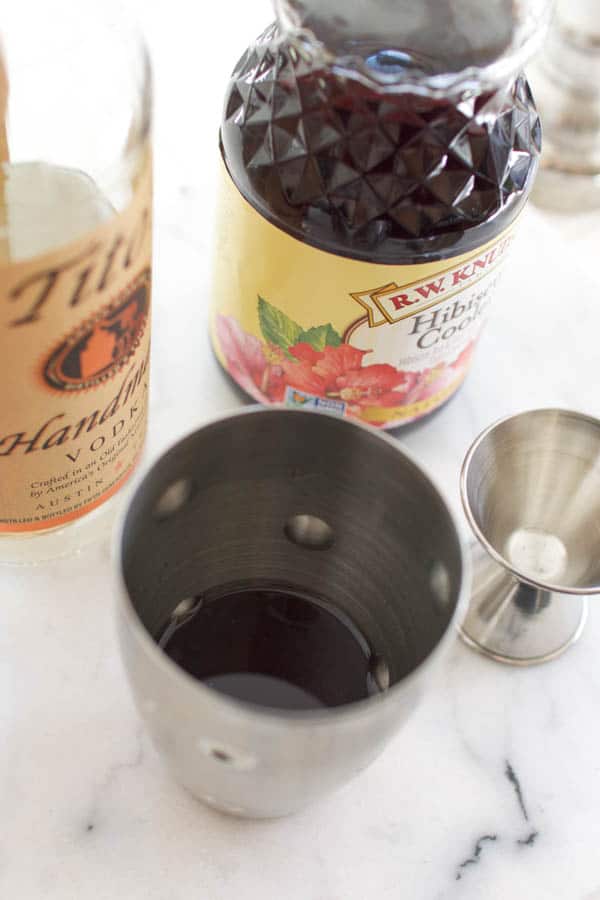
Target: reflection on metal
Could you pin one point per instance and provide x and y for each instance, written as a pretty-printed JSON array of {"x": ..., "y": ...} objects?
[{"x": 531, "y": 491}]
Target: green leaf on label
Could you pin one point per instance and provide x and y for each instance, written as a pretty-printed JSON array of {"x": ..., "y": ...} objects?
[
  {"x": 320, "y": 336},
  {"x": 277, "y": 328}
]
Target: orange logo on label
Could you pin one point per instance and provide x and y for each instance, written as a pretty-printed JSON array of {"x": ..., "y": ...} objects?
[
  {"x": 100, "y": 347},
  {"x": 300, "y": 399}
]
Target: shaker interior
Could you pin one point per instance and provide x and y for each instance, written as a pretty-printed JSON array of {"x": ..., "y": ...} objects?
[{"x": 298, "y": 499}]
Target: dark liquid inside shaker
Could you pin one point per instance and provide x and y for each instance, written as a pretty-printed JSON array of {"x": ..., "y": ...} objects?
[{"x": 275, "y": 648}]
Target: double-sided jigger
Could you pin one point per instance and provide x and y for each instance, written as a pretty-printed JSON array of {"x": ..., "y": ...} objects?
[{"x": 530, "y": 487}]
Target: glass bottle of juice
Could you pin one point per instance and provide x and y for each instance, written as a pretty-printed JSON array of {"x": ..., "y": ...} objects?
[
  {"x": 75, "y": 260},
  {"x": 376, "y": 158}
]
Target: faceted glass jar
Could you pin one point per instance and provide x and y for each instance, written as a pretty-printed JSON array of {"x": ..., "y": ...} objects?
[{"x": 398, "y": 138}]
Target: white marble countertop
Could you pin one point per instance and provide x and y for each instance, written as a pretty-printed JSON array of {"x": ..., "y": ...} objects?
[{"x": 492, "y": 790}]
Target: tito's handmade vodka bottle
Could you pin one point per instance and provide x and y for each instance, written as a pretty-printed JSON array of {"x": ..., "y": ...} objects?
[{"x": 75, "y": 272}]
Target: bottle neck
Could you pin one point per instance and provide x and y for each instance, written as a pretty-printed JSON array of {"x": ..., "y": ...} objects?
[
  {"x": 581, "y": 19},
  {"x": 437, "y": 48},
  {"x": 571, "y": 56}
]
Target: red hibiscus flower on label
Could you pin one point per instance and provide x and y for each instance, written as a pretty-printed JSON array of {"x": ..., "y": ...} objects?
[
  {"x": 314, "y": 364},
  {"x": 339, "y": 373}
]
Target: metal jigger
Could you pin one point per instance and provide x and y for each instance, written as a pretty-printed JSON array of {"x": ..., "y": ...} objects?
[{"x": 530, "y": 487}]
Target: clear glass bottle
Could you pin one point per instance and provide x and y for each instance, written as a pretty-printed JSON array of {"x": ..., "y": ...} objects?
[
  {"x": 566, "y": 82},
  {"x": 375, "y": 160},
  {"x": 75, "y": 271}
]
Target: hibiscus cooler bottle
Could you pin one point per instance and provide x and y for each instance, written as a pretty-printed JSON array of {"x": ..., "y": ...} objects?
[{"x": 375, "y": 159}]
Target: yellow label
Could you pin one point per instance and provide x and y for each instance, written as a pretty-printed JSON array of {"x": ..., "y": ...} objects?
[
  {"x": 384, "y": 343},
  {"x": 74, "y": 342}
]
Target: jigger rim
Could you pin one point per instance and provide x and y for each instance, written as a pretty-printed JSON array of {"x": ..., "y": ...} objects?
[
  {"x": 127, "y": 614},
  {"x": 464, "y": 496}
]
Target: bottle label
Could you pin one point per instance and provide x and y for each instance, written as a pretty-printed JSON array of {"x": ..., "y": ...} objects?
[
  {"x": 383, "y": 343},
  {"x": 74, "y": 342}
]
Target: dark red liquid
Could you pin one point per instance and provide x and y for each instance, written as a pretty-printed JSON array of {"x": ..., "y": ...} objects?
[
  {"x": 388, "y": 177},
  {"x": 273, "y": 648}
]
